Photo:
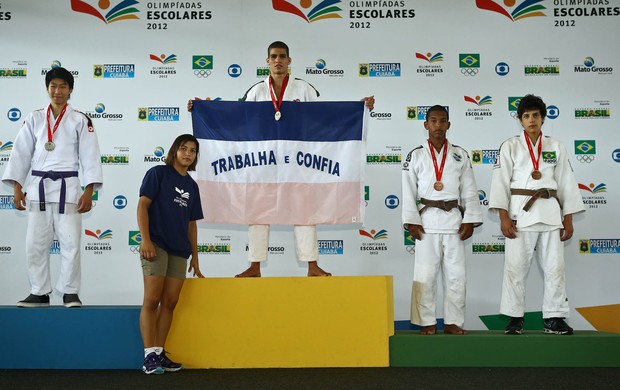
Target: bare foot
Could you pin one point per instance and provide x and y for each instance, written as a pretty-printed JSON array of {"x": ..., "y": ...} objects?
[
  {"x": 252, "y": 272},
  {"x": 454, "y": 329},
  {"x": 315, "y": 270},
  {"x": 428, "y": 330}
]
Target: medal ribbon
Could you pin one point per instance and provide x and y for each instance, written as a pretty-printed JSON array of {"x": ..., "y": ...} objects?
[
  {"x": 50, "y": 132},
  {"x": 535, "y": 161},
  {"x": 438, "y": 171},
  {"x": 277, "y": 103}
]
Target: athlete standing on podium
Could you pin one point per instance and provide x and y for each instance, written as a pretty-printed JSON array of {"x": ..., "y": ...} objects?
[
  {"x": 439, "y": 175},
  {"x": 279, "y": 87},
  {"x": 535, "y": 194},
  {"x": 51, "y": 146}
]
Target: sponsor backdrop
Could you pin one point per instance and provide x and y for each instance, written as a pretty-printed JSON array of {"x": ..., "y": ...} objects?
[{"x": 136, "y": 63}]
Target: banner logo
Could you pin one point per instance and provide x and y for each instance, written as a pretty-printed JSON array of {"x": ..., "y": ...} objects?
[
  {"x": 124, "y": 10},
  {"x": 429, "y": 57},
  {"x": 502, "y": 69},
  {"x": 433, "y": 67},
  {"x": 379, "y": 69},
  {"x": 171, "y": 59},
  {"x": 469, "y": 64},
  {"x": 7, "y": 202},
  {"x": 158, "y": 114},
  {"x": 375, "y": 235},
  {"x": 585, "y": 150},
  {"x": 326, "y": 9},
  {"x": 487, "y": 100},
  {"x": 599, "y": 245},
  {"x": 99, "y": 235},
  {"x": 392, "y": 202},
  {"x": 487, "y": 156},
  {"x": 14, "y": 114},
  {"x": 553, "y": 112},
  {"x": 135, "y": 238},
  {"x": 331, "y": 247},
  {"x": 595, "y": 194},
  {"x": 6, "y": 146},
  {"x": 525, "y": 9},
  {"x": 114, "y": 71},
  {"x": 202, "y": 65}
]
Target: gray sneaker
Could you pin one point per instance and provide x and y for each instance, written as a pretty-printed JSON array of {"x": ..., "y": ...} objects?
[
  {"x": 71, "y": 300},
  {"x": 35, "y": 301}
]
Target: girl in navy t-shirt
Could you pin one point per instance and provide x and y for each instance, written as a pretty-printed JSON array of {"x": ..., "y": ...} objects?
[{"x": 168, "y": 208}]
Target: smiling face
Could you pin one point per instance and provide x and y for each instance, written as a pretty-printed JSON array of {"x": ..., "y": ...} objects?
[
  {"x": 59, "y": 92},
  {"x": 278, "y": 61}
]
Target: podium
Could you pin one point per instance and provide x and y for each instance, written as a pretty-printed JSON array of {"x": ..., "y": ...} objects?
[{"x": 283, "y": 322}]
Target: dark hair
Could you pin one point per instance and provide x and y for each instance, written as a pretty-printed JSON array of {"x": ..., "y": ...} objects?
[
  {"x": 530, "y": 102},
  {"x": 59, "y": 73},
  {"x": 176, "y": 145},
  {"x": 439, "y": 108},
  {"x": 277, "y": 45}
]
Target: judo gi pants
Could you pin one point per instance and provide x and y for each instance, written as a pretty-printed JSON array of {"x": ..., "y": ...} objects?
[
  {"x": 39, "y": 237},
  {"x": 519, "y": 254},
  {"x": 434, "y": 252},
  {"x": 306, "y": 243}
]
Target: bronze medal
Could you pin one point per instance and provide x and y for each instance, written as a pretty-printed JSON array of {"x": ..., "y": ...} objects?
[
  {"x": 438, "y": 186},
  {"x": 536, "y": 175}
]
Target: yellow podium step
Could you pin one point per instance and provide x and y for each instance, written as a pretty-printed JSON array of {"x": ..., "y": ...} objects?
[{"x": 283, "y": 322}]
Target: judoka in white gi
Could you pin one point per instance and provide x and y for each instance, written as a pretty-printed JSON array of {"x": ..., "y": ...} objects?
[
  {"x": 279, "y": 87},
  {"x": 441, "y": 207},
  {"x": 535, "y": 194},
  {"x": 52, "y": 144}
]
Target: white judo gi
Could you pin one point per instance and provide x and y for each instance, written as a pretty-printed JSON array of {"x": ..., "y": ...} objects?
[
  {"x": 539, "y": 227},
  {"x": 76, "y": 146},
  {"x": 306, "y": 243},
  {"x": 441, "y": 246}
]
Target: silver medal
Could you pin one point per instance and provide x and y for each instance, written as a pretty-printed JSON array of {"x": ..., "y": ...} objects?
[
  {"x": 49, "y": 146},
  {"x": 278, "y": 115}
]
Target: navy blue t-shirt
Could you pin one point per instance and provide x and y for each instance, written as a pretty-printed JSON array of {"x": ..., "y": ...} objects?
[{"x": 175, "y": 202}]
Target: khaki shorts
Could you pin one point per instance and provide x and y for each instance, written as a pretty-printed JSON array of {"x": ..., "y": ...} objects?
[{"x": 164, "y": 264}]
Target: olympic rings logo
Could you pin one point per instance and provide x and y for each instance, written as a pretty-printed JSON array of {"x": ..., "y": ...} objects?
[
  {"x": 135, "y": 249},
  {"x": 585, "y": 158},
  {"x": 410, "y": 249},
  {"x": 469, "y": 71},
  {"x": 202, "y": 73}
]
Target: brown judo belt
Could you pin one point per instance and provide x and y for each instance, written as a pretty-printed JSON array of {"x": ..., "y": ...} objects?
[
  {"x": 544, "y": 193},
  {"x": 445, "y": 205}
]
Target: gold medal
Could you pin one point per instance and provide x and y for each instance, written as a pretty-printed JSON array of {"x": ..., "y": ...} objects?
[
  {"x": 278, "y": 115},
  {"x": 49, "y": 146},
  {"x": 536, "y": 175},
  {"x": 438, "y": 186}
]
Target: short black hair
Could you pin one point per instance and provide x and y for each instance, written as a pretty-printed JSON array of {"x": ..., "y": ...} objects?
[
  {"x": 439, "y": 108},
  {"x": 176, "y": 145},
  {"x": 59, "y": 73},
  {"x": 530, "y": 102},
  {"x": 277, "y": 45}
]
